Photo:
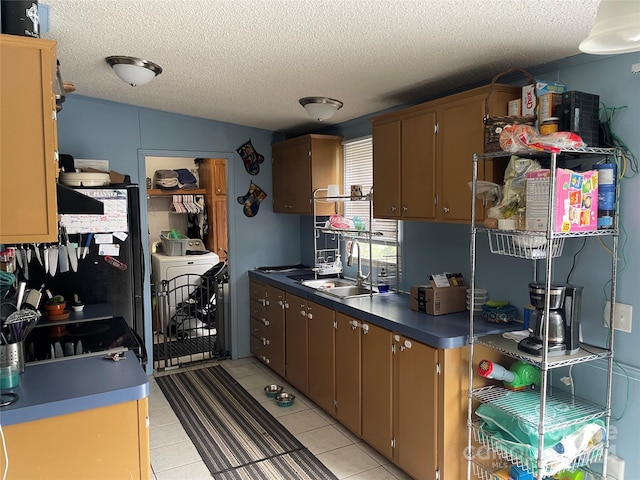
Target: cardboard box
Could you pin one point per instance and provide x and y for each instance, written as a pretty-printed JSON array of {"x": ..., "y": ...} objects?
[
  {"x": 549, "y": 106},
  {"x": 576, "y": 208},
  {"x": 418, "y": 298},
  {"x": 515, "y": 107},
  {"x": 443, "y": 300},
  {"x": 543, "y": 87}
]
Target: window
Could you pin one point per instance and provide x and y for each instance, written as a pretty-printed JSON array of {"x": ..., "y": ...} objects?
[{"x": 358, "y": 170}]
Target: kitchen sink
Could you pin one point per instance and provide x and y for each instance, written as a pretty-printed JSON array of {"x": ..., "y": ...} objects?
[
  {"x": 327, "y": 283},
  {"x": 338, "y": 287}
]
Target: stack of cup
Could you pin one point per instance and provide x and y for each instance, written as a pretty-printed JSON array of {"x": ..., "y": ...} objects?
[{"x": 480, "y": 299}]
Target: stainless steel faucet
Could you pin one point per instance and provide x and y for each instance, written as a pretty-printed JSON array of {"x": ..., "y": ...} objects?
[{"x": 360, "y": 277}]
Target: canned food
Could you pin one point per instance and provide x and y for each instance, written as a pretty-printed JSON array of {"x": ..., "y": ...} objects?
[{"x": 549, "y": 125}]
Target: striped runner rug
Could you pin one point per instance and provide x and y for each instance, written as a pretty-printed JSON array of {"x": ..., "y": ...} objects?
[{"x": 235, "y": 436}]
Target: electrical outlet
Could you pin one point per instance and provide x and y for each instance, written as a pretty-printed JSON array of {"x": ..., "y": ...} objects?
[
  {"x": 622, "y": 314},
  {"x": 635, "y": 68},
  {"x": 615, "y": 467}
]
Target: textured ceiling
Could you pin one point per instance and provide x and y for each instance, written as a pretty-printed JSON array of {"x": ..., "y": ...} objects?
[{"x": 249, "y": 61}]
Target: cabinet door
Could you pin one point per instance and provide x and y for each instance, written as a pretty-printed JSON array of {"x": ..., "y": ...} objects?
[
  {"x": 347, "y": 367},
  {"x": 292, "y": 178},
  {"x": 275, "y": 330},
  {"x": 418, "y": 166},
  {"x": 219, "y": 176},
  {"x": 386, "y": 169},
  {"x": 461, "y": 134},
  {"x": 321, "y": 355},
  {"x": 28, "y": 141},
  {"x": 296, "y": 343},
  {"x": 415, "y": 408},
  {"x": 220, "y": 228},
  {"x": 377, "y": 388}
]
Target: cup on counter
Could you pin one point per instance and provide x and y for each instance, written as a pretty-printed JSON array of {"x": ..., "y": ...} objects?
[
  {"x": 333, "y": 191},
  {"x": 9, "y": 377},
  {"x": 356, "y": 190}
]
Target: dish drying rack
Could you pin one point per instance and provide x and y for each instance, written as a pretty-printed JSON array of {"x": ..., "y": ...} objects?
[{"x": 326, "y": 239}]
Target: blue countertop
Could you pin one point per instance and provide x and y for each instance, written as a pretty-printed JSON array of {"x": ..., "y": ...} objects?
[
  {"x": 55, "y": 388},
  {"x": 391, "y": 311}
]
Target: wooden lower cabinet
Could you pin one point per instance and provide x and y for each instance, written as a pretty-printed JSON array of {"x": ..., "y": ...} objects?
[
  {"x": 296, "y": 353},
  {"x": 415, "y": 421},
  {"x": 348, "y": 368},
  {"x": 321, "y": 356},
  {"x": 103, "y": 443},
  {"x": 377, "y": 391},
  {"x": 267, "y": 307}
]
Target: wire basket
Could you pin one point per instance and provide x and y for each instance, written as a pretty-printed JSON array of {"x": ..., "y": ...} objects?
[
  {"x": 493, "y": 126},
  {"x": 523, "y": 244}
]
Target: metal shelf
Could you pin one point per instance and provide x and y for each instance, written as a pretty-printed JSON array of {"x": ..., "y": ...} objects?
[
  {"x": 587, "y": 353},
  {"x": 563, "y": 409},
  {"x": 550, "y": 465},
  {"x": 570, "y": 152}
]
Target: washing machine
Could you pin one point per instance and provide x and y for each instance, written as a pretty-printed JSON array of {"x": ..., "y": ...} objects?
[{"x": 182, "y": 274}]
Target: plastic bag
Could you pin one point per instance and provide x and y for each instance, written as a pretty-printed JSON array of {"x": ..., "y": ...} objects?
[
  {"x": 515, "y": 138},
  {"x": 488, "y": 191},
  {"x": 338, "y": 222},
  {"x": 554, "y": 142},
  {"x": 515, "y": 178}
]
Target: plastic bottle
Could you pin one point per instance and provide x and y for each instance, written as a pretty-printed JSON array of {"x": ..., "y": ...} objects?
[
  {"x": 173, "y": 234},
  {"x": 383, "y": 284}
]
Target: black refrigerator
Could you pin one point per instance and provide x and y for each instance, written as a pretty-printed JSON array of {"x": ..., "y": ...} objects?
[{"x": 112, "y": 270}]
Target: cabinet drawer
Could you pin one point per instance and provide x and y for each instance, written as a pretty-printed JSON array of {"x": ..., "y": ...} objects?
[
  {"x": 258, "y": 348},
  {"x": 258, "y": 292},
  {"x": 258, "y": 310},
  {"x": 258, "y": 327}
]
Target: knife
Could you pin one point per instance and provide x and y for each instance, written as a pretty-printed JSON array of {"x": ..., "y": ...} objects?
[
  {"x": 71, "y": 250},
  {"x": 36, "y": 249},
  {"x": 53, "y": 260},
  {"x": 87, "y": 245},
  {"x": 45, "y": 258}
]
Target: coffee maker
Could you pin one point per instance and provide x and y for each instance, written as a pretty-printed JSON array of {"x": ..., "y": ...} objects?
[{"x": 564, "y": 319}]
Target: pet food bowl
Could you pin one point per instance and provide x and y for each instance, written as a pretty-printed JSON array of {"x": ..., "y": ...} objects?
[
  {"x": 273, "y": 390},
  {"x": 284, "y": 399},
  {"x": 506, "y": 314}
]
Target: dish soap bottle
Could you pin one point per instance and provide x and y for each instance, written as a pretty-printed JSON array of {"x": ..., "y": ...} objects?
[
  {"x": 383, "y": 284},
  {"x": 337, "y": 265}
]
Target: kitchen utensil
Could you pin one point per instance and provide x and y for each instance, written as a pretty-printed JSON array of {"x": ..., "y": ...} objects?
[
  {"x": 87, "y": 245},
  {"x": 45, "y": 258},
  {"x": 73, "y": 257},
  {"x": 53, "y": 260},
  {"x": 63, "y": 255},
  {"x": 25, "y": 262},
  {"x": 36, "y": 249},
  {"x": 21, "y": 288}
]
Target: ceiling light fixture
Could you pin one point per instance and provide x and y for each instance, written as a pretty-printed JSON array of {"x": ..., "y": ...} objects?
[
  {"x": 320, "y": 108},
  {"x": 134, "y": 71},
  {"x": 617, "y": 28}
]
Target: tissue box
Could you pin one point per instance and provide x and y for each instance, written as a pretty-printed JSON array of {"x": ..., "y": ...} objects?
[
  {"x": 576, "y": 208},
  {"x": 542, "y": 88}
]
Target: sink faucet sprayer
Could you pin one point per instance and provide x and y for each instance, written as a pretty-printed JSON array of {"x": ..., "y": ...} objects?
[{"x": 360, "y": 278}]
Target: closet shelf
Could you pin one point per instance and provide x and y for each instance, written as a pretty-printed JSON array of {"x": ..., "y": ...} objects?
[{"x": 156, "y": 192}]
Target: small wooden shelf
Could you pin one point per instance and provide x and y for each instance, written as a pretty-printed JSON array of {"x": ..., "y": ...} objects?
[{"x": 156, "y": 192}]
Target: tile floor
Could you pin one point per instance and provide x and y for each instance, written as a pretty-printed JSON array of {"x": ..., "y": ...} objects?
[{"x": 173, "y": 456}]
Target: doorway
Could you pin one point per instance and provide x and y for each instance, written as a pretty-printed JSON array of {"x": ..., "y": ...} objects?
[{"x": 173, "y": 211}]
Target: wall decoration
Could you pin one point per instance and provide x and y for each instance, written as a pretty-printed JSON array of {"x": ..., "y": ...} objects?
[
  {"x": 251, "y": 201},
  {"x": 250, "y": 157}
]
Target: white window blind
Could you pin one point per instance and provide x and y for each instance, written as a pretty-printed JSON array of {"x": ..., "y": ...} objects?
[{"x": 358, "y": 170}]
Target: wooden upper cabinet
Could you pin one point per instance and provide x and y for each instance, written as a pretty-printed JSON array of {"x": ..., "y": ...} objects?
[
  {"x": 28, "y": 140},
  {"x": 213, "y": 179},
  {"x": 422, "y": 156},
  {"x": 302, "y": 165}
]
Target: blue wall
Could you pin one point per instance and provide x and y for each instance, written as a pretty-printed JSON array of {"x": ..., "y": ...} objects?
[
  {"x": 90, "y": 128},
  {"x": 431, "y": 248},
  {"x": 124, "y": 135}
]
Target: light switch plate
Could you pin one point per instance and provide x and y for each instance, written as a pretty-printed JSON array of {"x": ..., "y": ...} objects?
[
  {"x": 622, "y": 314},
  {"x": 615, "y": 467}
]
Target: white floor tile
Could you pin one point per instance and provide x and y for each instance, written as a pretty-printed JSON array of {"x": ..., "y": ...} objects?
[
  {"x": 253, "y": 381},
  {"x": 302, "y": 421},
  {"x": 323, "y": 439},
  {"x": 172, "y": 456},
  {"x": 373, "y": 453},
  {"x": 157, "y": 400},
  {"x": 347, "y": 461},
  {"x": 239, "y": 371},
  {"x": 193, "y": 471},
  {"x": 167, "y": 435},
  {"x": 162, "y": 416},
  {"x": 378, "y": 473},
  {"x": 274, "y": 409},
  {"x": 397, "y": 473}
]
